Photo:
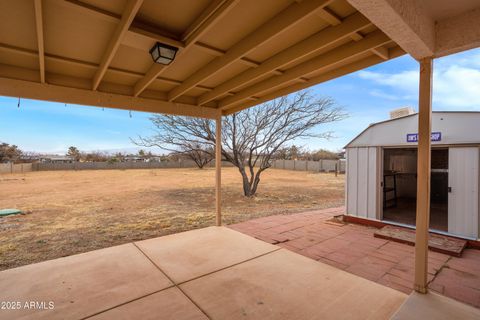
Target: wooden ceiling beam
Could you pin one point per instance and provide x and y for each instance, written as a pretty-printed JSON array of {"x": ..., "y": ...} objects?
[
  {"x": 128, "y": 15},
  {"x": 139, "y": 32},
  {"x": 281, "y": 22},
  {"x": 216, "y": 10},
  {"x": 214, "y": 15},
  {"x": 332, "y": 74},
  {"x": 334, "y": 20},
  {"x": 90, "y": 65},
  {"x": 313, "y": 43},
  {"x": 382, "y": 52},
  {"x": 332, "y": 57},
  {"x": 218, "y": 53},
  {"x": 141, "y": 35},
  {"x": 57, "y": 93},
  {"x": 90, "y": 9},
  {"x": 40, "y": 42}
]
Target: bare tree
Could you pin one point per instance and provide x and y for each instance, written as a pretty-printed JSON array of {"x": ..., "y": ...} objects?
[
  {"x": 172, "y": 135},
  {"x": 251, "y": 137},
  {"x": 292, "y": 152},
  {"x": 167, "y": 138},
  {"x": 200, "y": 153}
]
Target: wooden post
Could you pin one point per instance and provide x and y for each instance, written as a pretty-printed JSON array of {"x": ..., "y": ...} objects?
[
  {"x": 423, "y": 175},
  {"x": 218, "y": 170}
]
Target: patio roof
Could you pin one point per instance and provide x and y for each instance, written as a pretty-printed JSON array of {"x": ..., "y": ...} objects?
[{"x": 232, "y": 54}]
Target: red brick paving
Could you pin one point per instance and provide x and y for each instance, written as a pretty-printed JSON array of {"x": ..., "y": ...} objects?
[{"x": 353, "y": 248}]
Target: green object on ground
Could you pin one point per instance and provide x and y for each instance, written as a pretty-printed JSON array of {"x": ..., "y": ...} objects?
[{"x": 7, "y": 212}]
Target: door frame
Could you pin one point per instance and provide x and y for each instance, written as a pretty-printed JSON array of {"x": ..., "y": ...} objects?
[{"x": 380, "y": 186}]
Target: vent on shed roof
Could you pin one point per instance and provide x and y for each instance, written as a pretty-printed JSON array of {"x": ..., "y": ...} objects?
[{"x": 401, "y": 112}]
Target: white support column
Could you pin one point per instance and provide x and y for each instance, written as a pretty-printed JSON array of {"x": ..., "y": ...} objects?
[
  {"x": 423, "y": 175},
  {"x": 218, "y": 170}
]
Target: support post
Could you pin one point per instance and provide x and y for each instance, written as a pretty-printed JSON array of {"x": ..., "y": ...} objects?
[
  {"x": 218, "y": 170},
  {"x": 423, "y": 175}
]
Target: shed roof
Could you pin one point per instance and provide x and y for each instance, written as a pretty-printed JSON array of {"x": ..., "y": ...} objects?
[{"x": 456, "y": 127}]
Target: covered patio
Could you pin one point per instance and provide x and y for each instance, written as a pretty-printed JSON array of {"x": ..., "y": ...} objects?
[{"x": 214, "y": 58}]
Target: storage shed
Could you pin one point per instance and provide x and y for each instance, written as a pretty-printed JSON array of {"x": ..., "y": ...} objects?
[{"x": 381, "y": 180}]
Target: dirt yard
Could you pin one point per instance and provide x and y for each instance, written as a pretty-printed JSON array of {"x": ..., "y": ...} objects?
[{"x": 69, "y": 212}]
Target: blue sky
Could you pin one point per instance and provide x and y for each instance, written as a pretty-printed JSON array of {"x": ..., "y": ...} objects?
[{"x": 367, "y": 96}]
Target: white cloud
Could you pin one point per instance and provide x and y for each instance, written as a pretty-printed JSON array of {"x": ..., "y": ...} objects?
[
  {"x": 383, "y": 95},
  {"x": 402, "y": 81},
  {"x": 456, "y": 83},
  {"x": 457, "y": 87}
]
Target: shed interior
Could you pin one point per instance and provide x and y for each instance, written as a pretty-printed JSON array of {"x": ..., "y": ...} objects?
[{"x": 400, "y": 187}]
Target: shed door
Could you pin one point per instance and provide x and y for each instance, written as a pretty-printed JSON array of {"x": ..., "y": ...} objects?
[
  {"x": 362, "y": 182},
  {"x": 463, "y": 193}
]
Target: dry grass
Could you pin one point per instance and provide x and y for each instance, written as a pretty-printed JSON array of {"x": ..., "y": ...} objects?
[{"x": 77, "y": 211}]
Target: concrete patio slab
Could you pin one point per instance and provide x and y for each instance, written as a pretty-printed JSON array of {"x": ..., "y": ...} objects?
[
  {"x": 232, "y": 276},
  {"x": 435, "y": 306},
  {"x": 169, "y": 304},
  {"x": 185, "y": 256},
  {"x": 285, "y": 285},
  {"x": 80, "y": 285}
]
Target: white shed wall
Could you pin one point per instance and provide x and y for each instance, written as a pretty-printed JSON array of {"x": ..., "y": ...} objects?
[{"x": 362, "y": 182}]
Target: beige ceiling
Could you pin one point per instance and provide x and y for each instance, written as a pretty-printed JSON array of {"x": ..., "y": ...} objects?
[
  {"x": 233, "y": 54},
  {"x": 441, "y": 9}
]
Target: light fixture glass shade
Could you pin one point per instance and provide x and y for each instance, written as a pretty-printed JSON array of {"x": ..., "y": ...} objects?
[{"x": 163, "y": 53}]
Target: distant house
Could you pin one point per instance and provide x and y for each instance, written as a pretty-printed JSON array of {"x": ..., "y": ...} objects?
[
  {"x": 57, "y": 159},
  {"x": 26, "y": 158},
  {"x": 134, "y": 159},
  {"x": 154, "y": 159}
]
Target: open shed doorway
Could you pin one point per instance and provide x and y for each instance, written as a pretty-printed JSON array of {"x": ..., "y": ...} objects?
[{"x": 400, "y": 187}]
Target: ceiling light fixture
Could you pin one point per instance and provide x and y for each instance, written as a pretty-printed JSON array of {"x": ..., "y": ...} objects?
[{"x": 163, "y": 53}]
